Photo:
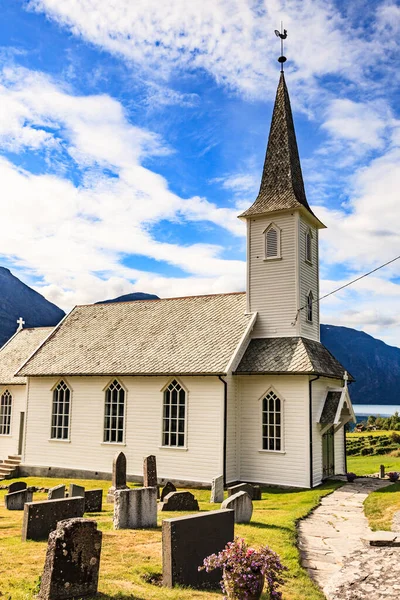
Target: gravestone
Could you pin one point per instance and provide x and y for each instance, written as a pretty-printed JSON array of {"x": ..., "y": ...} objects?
[
  {"x": 71, "y": 568},
  {"x": 93, "y": 501},
  {"x": 167, "y": 489},
  {"x": 382, "y": 471},
  {"x": 187, "y": 541},
  {"x": 242, "y": 505},
  {"x": 150, "y": 473},
  {"x": 118, "y": 476},
  {"x": 76, "y": 490},
  {"x": 17, "y": 486},
  {"x": 217, "y": 489},
  {"x": 179, "y": 501},
  {"x": 254, "y": 491},
  {"x": 56, "y": 492},
  {"x": 40, "y": 518},
  {"x": 136, "y": 508},
  {"x": 17, "y": 500}
]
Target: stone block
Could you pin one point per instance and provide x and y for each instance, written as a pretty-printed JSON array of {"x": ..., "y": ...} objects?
[
  {"x": 17, "y": 486},
  {"x": 382, "y": 538},
  {"x": 76, "y": 490},
  {"x": 179, "y": 501},
  {"x": 217, "y": 489},
  {"x": 167, "y": 489},
  {"x": 93, "y": 501},
  {"x": 135, "y": 509},
  {"x": 187, "y": 541},
  {"x": 17, "y": 500},
  {"x": 40, "y": 518},
  {"x": 56, "y": 492},
  {"x": 242, "y": 505},
  {"x": 254, "y": 491},
  {"x": 72, "y": 562}
]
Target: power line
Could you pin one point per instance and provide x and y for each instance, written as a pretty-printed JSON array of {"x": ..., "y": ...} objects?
[{"x": 345, "y": 286}]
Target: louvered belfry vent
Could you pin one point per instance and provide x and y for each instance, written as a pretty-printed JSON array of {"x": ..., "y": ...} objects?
[{"x": 272, "y": 243}]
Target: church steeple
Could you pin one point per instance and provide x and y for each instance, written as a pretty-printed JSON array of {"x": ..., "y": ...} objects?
[{"x": 282, "y": 185}]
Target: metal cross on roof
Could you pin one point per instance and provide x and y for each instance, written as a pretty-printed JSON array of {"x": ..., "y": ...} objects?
[
  {"x": 20, "y": 323},
  {"x": 283, "y": 35}
]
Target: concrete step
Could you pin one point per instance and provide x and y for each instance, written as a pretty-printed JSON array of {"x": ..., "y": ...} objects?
[
  {"x": 12, "y": 462},
  {"x": 14, "y": 457},
  {"x": 6, "y": 469}
]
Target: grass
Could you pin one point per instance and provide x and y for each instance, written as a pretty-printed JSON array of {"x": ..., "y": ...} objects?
[
  {"x": 131, "y": 557},
  {"x": 362, "y": 434},
  {"x": 367, "y": 465},
  {"x": 381, "y": 505}
]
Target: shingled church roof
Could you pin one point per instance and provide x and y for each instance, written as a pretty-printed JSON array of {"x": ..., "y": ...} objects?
[
  {"x": 282, "y": 185},
  {"x": 17, "y": 350}
]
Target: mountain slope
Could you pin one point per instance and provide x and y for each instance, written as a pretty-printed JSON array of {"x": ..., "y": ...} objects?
[
  {"x": 130, "y": 298},
  {"x": 374, "y": 364},
  {"x": 19, "y": 300}
]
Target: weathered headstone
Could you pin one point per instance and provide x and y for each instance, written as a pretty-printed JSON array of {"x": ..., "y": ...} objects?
[
  {"x": 17, "y": 486},
  {"x": 118, "y": 476},
  {"x": 17, "y": 500},
  {"x": 56, "y": 492},
  {"x": 150, "y": 473},
  {"x": 242, "y": 505},
  {"x": 93, "y": 501},
  {"x": 254, "y": 491},
  {"x": 76, "y": 490},
  {"x": 217, "y": 489},
  {"x": 187, "y": 541},
  {"x": 136, "y": 508},
  {"x": 167, "y": 489},
  {"x": 40, "y": 518},
  {"x": 382, "y": 471},
  {"x": 179, "y": 501},
  {"x": 71, "y": 568}
]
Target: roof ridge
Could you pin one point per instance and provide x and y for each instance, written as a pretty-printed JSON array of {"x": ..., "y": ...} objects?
[{"x": 160, "y": 299}]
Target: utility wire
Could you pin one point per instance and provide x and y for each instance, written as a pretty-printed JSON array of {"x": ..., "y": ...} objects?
[{"x": 345, "y": 286}]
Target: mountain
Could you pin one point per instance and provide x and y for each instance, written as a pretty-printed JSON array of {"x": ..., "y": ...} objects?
[
  {"x": 130, "y": 298},
  {"x": 19, "y": 300},
  {"x": 374, "y": 364}
]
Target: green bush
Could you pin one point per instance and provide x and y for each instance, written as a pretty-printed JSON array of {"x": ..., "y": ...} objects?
[
  {"x": 367, "y": 450},
  {"x": 395, "y": 438}
]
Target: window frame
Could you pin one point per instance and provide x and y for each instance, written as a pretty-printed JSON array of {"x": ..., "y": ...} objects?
[
  {"x": 278, "y": 230},
  {"x": 279, "y": 396},
  {"x": 3, "y": 424},
  {"x": 310, "y": 307},
  {"x": 185, "y": 432},
  {"x": 53, "y": 390},
  {"x": 105, "y": 389},
  {"x": 308, "y": 236}
]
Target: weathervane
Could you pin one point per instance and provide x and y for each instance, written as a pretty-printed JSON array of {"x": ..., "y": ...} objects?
[{"x": 283, "y": 35}]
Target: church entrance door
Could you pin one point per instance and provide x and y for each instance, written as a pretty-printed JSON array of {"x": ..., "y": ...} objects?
[{"x": 328, "y": 453}]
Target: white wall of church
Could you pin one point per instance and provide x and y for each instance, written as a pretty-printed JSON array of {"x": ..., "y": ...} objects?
[
  {"x": 199, "y": 462},
  {"x": 339, "y": 452},
  {"x": 290, "y": 467},
  {"x": 9, "y": 443},
  {"x": 308, "y": 281},
  {"x": 272, "y": 284}
]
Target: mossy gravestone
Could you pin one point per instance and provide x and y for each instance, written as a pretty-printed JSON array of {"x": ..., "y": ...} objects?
[{"x": 118, "y": 476}]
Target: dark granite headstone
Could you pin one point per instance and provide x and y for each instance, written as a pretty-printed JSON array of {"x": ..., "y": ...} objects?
[
  {"x": 71, "y": 568},
  {"x": 76, "y": 490},
  {"x": 187, "y": 541},
  {"x": 56, "y": 492},
  {"x": 382, "y": 471},
  {"x": 254, "y": 491},
  {"x": 167, "y": 489},
  {"x": 93, "y": 501},
  {"x": 179, "y": 501},
  {"x": 118, "y": 475},
  {"x": 17, "y": 500},
  {"x": 17, "y": 486},
  {"x": 150, "y": 471},
  {"x": 40, "y": 518}
]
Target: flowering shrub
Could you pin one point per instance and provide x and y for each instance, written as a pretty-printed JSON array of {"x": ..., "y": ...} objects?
[
  {"x": 393, "y": 476},
  {"x": 351, "y": 476},
  {"x": 244, "y": 568}
]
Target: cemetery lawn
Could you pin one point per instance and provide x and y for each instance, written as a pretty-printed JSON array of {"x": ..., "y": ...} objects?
[
  {"x": 381, "y": 505},
  {"x": 130, "y": 566}
]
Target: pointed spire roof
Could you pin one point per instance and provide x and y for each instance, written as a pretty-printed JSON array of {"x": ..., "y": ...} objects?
[{"x": 282, "y": 185}]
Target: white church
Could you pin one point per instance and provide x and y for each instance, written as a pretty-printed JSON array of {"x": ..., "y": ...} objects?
[{"x": 235, "y": 384}]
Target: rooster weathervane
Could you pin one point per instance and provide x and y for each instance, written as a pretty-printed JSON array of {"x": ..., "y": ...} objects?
[{"x": 283, "y": 35}]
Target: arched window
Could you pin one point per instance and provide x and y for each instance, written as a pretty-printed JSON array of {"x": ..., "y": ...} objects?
[
  {"x": 272, "y": 242},
  {"x": 174, "y": 415},
  {"x": 114, "y": 413},
  {"x": 5, "y": 413},
  {"x": 272, "y": 422},
  {"x": 309, "y": 302},
  {"x": 61, "y": 412},
  {"x": 308, "y": 249}
]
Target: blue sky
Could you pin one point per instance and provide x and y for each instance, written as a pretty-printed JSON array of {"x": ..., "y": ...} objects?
[{"x": 133, "y": 133}]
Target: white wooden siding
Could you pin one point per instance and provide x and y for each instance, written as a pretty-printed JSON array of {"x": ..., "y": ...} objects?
[
  {"x": 272, "y": 283},
  {"x": 231, "y": 441},
  {"x": 339, "y": 452},
  {"x": 200, "y": 462},
  {"x": 290, "y": 467},
  {"x": 308, "y": 281},
  {"x": 9, "y": 443}
]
